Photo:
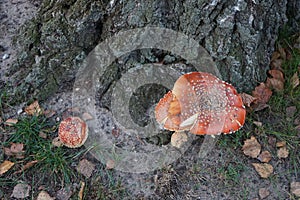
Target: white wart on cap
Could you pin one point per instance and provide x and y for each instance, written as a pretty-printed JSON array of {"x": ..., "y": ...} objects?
[{"x": 73, "y": 132}]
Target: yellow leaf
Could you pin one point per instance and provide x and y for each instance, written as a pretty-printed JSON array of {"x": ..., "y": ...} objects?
[
  {"x": 80, "y": 194},
  {"x": 5, "y": 166}
]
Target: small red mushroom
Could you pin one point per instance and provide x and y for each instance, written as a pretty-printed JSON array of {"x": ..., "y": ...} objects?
[
  {"x": 203, "y": 104},
  {"x": 73, "y": 132}
]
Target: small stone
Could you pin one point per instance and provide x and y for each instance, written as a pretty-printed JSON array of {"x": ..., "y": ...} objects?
[{"x": 5, "y": 56}]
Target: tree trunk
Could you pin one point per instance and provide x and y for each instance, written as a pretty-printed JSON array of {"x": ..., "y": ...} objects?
[{"x": 238, "y": 34}]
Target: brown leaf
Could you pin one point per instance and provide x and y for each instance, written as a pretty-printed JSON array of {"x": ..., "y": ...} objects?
[
  {"x": 86, "y": 168},
  {"x": 33, "y": 109},
  {"x": 5, "y": 166},
  {"x": 277, "y": 74},
  {"x": 21, "y": 191},
  {"x": 80, "y": 194},
  {"x": 282, "y": 52},
  {"x": 258, "y": 107},
  {"x": 57, "y": 142},
  {"x": 247, "y": 99},
  {"x": 282, "y": 152},
  {"x": 290, "y": 111},
  {"x": 281, "y": 144},
  {"x": 110, "y": 164},
  {"x": 258, "y": 124},
  {"x": 64, "y": 193},
  {"x": 43, "y": 135},
  {"x": 11, "y": 122},
  {"x": 263, "y": 193},
  {"x": 178, "y": 139},
  {"x": 265, "y": 156},
  {"x": 251, "y": 147},
  {"x": 295, "y": 80},
  {"x": 277, "y": 80},
  {"x": 295, "y": 188},
  {"x": 87, "y": 116},
  {"x": 275, "y": 84},
  {"x": 272, "y": 141},
  {"x": 275, "y": 55},
  {"x": 26, "y": 166},
  {"x": 263, "y": 169},
  {"x": 16, "y": 148},
  {"x": 276, "y": 64},
  {"x": 43, "y": 195},
  {"x": 262, "y": 94},
  {"x": 49, "y": 113}
]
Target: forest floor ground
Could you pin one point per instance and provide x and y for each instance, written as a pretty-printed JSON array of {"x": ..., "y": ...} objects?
[{"x": 30, "y": 166}]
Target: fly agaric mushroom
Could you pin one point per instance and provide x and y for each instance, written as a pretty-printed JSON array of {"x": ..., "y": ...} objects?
[
  {"x": 202, "y": 104},
  {"x": 73, "y": 132}
]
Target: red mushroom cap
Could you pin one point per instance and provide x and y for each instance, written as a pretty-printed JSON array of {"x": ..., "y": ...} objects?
[
  {"x": 73, "y": 132},
  {"x": 202, "y": 104}
]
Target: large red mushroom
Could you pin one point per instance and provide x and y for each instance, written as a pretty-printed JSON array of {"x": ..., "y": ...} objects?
[
  {"x": 73, "y": 132},
  {"x": 203, "y": 104}
]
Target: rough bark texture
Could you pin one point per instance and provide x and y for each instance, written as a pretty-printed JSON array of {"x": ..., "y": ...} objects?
[{"x": 238, "y": 34}]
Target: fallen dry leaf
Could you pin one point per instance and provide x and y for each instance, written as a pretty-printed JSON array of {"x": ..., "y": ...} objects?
[
  {"x": 262, "y": 94},
  {"x": 275, "y": 55},
  {"x": 251, "y": 147},
  {"x": 57, "y": 142},
  {"x": 43, "y": 195},
  {"x": 43, "y": 135},
  {"x": 290, "y": 111},
  {"x": 26, "y": 166},
  {"x": 11, "y": 122},
  {"x": 277, "y": 80},
  {"x": 21, "y": 191},
  {"x": 80, "y": 194},
  {"x": 86, "y": 168},
  {"x": 65, "y": 193},
  {"x": 295, "y": 80},
  {"x": 281, "y": 144},
  {"x": 265, "y": 156},
  {"x": 275, "y": 84},
  {"x": 33, "y": 109},
  {"x": 258, "y": 124},
  {"x": 5, "y": 166},
  {"x": 263, "y": 193},
  {"x": 49, "y": 113},
  {"x": 16, "y": 149},
  {"x": 110, "y": 164},
  {"x": 276, "y": 64},
  {"x": 247, "y": 99},
  {"x": 282, "y": 152},
  {"x": 272, "y": 141},
  {"x": 282, "y": 52},
  {"x": 295, "y": 188},
  {"x": 87, "y": 116},
  {"x": 178, "y": 139},
  {"x": 263, "y": 169}
]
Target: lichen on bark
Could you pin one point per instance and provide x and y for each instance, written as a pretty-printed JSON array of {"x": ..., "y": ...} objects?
[{"x": 238, "y": 34}]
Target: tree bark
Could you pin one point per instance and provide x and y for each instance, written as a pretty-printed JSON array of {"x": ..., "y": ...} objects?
[{"x": 238, "y": 34}]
